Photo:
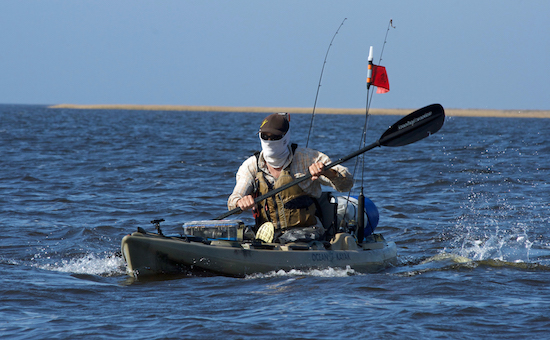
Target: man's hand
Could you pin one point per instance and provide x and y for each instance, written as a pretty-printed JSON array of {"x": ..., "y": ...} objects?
[
  {"x": 245, "y": 203},
  {"x": 318, "y": 169}
]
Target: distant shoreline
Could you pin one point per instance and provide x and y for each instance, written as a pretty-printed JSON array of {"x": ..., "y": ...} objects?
[{"x": 373, "y": 111}]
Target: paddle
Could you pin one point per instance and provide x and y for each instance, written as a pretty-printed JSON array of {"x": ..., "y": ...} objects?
[{"x": 411, "y": 128}]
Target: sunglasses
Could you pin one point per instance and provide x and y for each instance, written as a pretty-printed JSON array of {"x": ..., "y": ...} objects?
[{"x": 266, "y": 136}]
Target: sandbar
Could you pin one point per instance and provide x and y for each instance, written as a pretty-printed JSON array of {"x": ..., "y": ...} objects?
[{"x": 308, "y": 110}]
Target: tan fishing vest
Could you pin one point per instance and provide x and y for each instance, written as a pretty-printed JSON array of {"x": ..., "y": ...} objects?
[{"x": 291, "y": 208}]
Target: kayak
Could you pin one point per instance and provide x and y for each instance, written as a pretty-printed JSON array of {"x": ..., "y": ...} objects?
[
  {"x": 223, "y": 246},
  {"x": 228, "y": 247},
  {"x": 153, "y": 254}
]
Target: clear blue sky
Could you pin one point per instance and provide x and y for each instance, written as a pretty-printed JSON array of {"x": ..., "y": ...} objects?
[{"x": 463, "y": 54}]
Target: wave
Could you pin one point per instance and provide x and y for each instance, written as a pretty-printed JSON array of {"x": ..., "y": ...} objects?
[
  {"x": 328, "y": 272},
  {"x": 91, "y": 264},
  {"x": 453, "y": 262}
]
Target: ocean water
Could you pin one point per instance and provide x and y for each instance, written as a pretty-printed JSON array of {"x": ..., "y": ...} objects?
[{"x": 468, "y": 208}]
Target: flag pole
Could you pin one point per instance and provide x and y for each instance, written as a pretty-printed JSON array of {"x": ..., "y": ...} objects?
[{"x": 369, "y": 70}]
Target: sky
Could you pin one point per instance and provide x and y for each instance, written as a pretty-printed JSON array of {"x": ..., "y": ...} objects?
[{"x": 468, "y": 54}]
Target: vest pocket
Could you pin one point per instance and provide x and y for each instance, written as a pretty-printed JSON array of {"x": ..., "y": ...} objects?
[
  {"x": 300, "y": 202},
  {"x": 302, "y": 217}
]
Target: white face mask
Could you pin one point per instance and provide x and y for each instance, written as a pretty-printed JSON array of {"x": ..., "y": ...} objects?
[{"x": 276, "y": 152}]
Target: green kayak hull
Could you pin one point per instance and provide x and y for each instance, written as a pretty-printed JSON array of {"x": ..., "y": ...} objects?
[{"x": 149, "y": 254}]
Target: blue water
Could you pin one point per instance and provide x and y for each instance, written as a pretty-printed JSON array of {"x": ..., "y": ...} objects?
[{"x": 468, "y": 208}]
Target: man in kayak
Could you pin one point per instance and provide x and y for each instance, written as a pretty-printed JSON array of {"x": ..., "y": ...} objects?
[{"x": 292, "y": 212}]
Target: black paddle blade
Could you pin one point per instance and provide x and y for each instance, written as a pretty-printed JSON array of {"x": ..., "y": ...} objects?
[{"x": 415, "y": 126}]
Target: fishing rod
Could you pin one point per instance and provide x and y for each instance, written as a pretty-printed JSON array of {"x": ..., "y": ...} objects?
[
  {"x": 371, "y": 66},
  {"x": 320, "y": 79},
  {"x": 409, "y": 129}
]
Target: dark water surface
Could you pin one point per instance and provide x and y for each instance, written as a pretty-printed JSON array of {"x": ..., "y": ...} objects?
[{"x": 468, "y": 208}]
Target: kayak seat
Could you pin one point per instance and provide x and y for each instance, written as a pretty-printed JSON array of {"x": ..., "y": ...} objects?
[
  {"x": 327, "y": 212},
  {"x": 343, "y": 241}
]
